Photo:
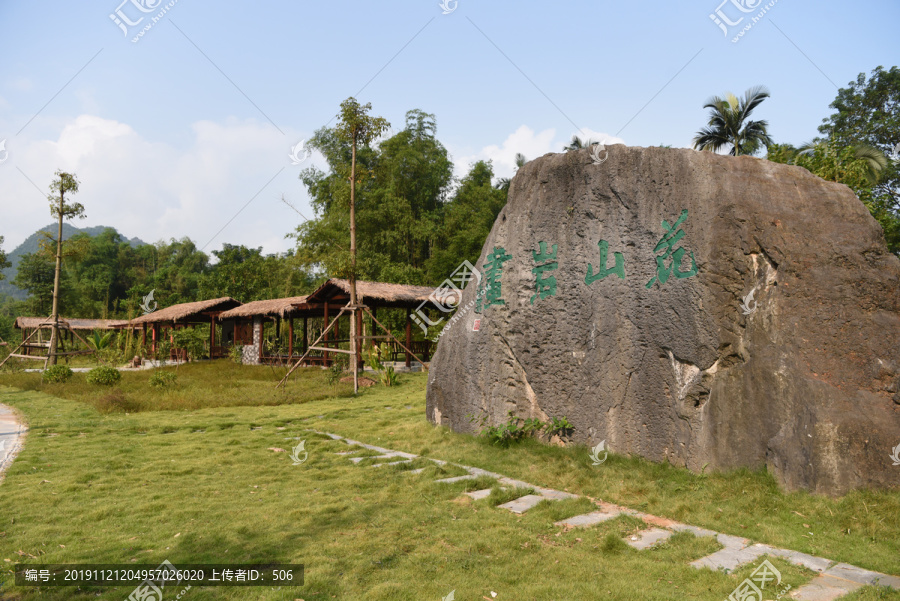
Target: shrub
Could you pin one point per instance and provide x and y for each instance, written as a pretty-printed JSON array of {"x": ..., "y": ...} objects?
[
  {"x": 163, "y": 379},
  {"x": 104, "y": 376},
  {"x": 389, "y": 377},
  {"x": 57, "y": 374},
  {"x": 237, "y": 354}
]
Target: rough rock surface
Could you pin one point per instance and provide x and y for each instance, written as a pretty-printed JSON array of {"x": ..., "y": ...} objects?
[{"x": 807, "y": 382}]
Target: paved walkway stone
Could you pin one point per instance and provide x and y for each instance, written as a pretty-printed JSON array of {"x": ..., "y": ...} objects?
[
  {"x": 647, "y": 538},
  {"x": 522, "y": 504},
  {"x": 456, "y": 479},
  {"x": 479, "y": 494},
  {"x": 824, "y": 588},
  {"x": 832, "y": 582},
  {"x": 12, "y": 435},
  {"x": 393, "y": 463},
  {"x": 587, "y": 519}
]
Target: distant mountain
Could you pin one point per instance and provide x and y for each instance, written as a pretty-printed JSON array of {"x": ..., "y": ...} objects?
[{"x": 32, "y": 244}]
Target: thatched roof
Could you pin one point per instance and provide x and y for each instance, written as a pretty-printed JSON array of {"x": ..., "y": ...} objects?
[
  {"x": 282, "y": 307},
  {"x": 31, "y": 323},
  {"x": 186, "y": 312},
  {"x": 379, "y": 292}
]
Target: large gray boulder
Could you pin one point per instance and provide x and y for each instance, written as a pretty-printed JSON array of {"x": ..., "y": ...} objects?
[{"x": 673, "y": 361}]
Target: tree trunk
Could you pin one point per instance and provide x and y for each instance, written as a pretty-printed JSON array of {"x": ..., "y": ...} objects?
[
  {"x": 54, "y": 317},
  {"x": 353, "y": 314}
]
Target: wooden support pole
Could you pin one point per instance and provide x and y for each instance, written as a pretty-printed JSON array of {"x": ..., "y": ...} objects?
[
  {"x": 408, "y": 339},
  {"x": 290, "y": 338},
  {"x": 300, "y": 360},
  {"x": 388, "y": 332},
  {"x": 212, "y": 336},
  {"x": 325, "y": 328}
]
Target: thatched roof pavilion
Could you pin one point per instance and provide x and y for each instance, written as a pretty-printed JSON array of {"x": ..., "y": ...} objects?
[
  {"x": 280, "y": 307},
  {"x": 372, "y": 294},
  {"x": 185, "y": 314},
  {"x": 45, "y": 323}
]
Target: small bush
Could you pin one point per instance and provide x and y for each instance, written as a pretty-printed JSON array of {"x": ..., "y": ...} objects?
[
  {"x": 237, "y": 354},
  {"x": 388, "y": 377},
  {"x": 163, "y": 379},
  {"x": 104, "y": 376},
  {"x": 57, "y": 374},
  {"x": 116, "y": 402}
]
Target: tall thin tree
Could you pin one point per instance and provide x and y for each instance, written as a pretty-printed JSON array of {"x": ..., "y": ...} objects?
[
  {"x": 730, "y": 125},
  {"x": 65, "y": 183},
  {"x": 356, "y": 127}
]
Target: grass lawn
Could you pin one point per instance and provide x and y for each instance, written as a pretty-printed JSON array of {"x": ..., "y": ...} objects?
[{"x": 200, "y": 485}]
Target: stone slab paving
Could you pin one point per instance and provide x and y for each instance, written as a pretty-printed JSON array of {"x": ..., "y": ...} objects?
[
  {"x": 522, "y": 504},
  {"x": 824, "y": 588},
  {"x": 359, "y": 459},
  {"x": 647, "y": 538},
  {"x": 834, "y": 579},
  {"x": 12, "y": 435},
  {"x": 479, "y": 494},
  {"x": 587, "y": 519},
  {"x": 456, "y": 479},
  {"x": 393, "y": 463}
]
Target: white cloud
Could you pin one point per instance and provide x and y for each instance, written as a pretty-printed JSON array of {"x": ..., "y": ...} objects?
[
  {"x": 533, "y": 145},
  {"x": 156, "y": 191}
]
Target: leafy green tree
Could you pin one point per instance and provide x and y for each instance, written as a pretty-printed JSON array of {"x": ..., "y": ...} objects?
[
  {"x": 399, "y": 205},
  {"x": 730, "y": 124},
  {"x": 247, "y": 275},
  {"x": 504, "y": 182},
  {"x": 468, "y": 219},
  {"x": 577, "y": 143},
  {"x": 35, "y": 275},
  {"x": 4, "y": 262},
  {"x": 65, "y": 183}
]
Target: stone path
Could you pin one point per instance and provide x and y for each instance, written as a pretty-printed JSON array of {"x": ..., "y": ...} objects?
[
  {"x": 12, "y": 434},
  {"x": 833, "y": 581}
]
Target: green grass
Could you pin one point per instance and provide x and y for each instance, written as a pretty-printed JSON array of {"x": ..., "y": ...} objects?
[
  {"x": 204, "y": 384},
  {"x": 93, "y": 487}
]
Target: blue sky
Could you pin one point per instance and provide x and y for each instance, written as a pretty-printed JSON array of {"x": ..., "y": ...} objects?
[{"x": 172, "y": 135}]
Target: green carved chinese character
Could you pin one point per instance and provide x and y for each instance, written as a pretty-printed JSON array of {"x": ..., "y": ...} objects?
[
  {"x": 545, "y": 286},
  {"x": 489, "y": 292},
  {"x": 673, "y": 256},
  {"x": 602, "y": 271}
]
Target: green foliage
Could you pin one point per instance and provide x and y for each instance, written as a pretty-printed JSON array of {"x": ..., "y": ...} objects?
[
  {"x": 560, "y": 426},
  {"x": 57, "y": 374},
  {"x": 103, "y": 376},
  {"x": 4, "y": 262},
  {"x": 100, "y": 341},
  {"x": 334, "y": 373},
  {"x": 729, "y": 124},
  {"x": 163, "y": 379},
  {"x": 191, "y": 340},
  {"x": 388, "y": 377},
  {"x": 65, "y": 183},
  {"x": 236, "y": 354},
  {"x": 35, "y": 275},
  {"x": 517, "y": 429}
]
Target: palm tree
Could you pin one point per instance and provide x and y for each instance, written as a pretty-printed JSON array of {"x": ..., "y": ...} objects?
[
  {"x": 577, "y": 143},
  {"x": 729, "y": 124},
  {"x": 503, "y": 182}
]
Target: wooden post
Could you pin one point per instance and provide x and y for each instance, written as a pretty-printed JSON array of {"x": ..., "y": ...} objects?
[
  {"x": 408, "y": 339},
  {"x": 154, "y": 331},
  {"x": 305, "y": 333},
  {"x": 358, "y": 342},
  {"x": 290, "y": 338},
  {"x": 324, "y": 328},
  {"x": 212, "y": 336}
]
